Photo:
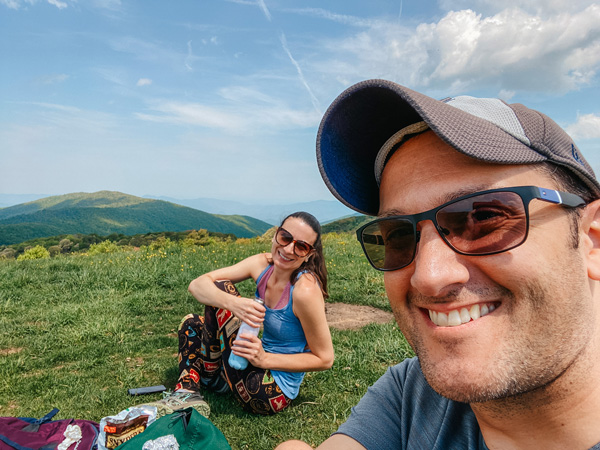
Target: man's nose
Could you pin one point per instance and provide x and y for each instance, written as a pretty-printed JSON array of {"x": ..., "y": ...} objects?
[{"x": 436, "y": 266}]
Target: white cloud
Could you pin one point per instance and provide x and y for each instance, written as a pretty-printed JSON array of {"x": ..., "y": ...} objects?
[
  {"x": 53, "y": 79},
  {"x": 62, "y": 4},
  {"x": 113, "y": 75},
  {"x": 506, "y": 95},
  {"x": 236, "y": 118},
  {"x": 144, "y": 82},
  {"x": 113, "y": 5},
  {"x": 515, "y": 50},
  {"x": 58, "y": 4},
  {"x": 246, "y": 94},
  {"x": 12, "y": 4},
  {"x": 509, "y": 51},
  {"x": 213, "y": 40},
  {"x": 328, "y": 15},
  {"x": 586, "y": 127},
  {"x": 70, "y": 117},
  {"x": 536, "y": 7}
]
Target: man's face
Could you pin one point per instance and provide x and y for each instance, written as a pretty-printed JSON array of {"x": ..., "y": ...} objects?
[{"x": 541, "y": 315}]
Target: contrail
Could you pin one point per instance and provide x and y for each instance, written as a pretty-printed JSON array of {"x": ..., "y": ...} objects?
[
  {"x": 264, "y": 8},
  {"x": 314, "y": 100},
  {"x": 283, "y": 40},
  {"x": 188, "y": 60}
]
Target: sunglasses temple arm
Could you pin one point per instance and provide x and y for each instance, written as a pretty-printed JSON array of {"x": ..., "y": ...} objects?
[{"x": 560, "y": 198}]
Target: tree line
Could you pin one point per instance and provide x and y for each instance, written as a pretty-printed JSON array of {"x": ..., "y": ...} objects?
[{"x": 80, "y": 243}]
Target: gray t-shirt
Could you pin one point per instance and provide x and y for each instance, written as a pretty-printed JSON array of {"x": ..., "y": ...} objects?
[{"x": 401, "y": 411}]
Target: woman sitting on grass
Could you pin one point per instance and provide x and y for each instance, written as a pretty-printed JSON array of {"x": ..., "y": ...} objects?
[{"x": 292, "y": 281}]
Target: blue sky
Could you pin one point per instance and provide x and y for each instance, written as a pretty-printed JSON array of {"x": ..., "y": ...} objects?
[{"x": 223, "y": 98}]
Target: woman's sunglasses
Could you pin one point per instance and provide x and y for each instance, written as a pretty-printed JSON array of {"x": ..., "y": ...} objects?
[
  {"x": 482, "y": 223},
  {"x": 285, "y": 238}
]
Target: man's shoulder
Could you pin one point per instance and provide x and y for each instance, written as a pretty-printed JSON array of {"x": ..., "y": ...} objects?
[
  {"x": 409, "y": 366},
  {"x": 401, "y": 410},
  {"x": 406, "y": 384},
  {"x": 418, "y": 397},
  {"x": 406, "y": 372}
]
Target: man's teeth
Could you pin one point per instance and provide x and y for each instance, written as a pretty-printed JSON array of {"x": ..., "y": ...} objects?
[{"x": 460, "y": 316}]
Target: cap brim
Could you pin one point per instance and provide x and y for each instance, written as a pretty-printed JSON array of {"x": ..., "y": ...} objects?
[{"x": 364, "y": 116}]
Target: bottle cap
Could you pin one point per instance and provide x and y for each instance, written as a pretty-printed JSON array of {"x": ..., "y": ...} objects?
[{"x": 259, "y": 300}]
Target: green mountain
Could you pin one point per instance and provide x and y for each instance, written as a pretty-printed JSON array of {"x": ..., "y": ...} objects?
[
  {"x": 108, "y": 212},
  {"x": 351, "y": 223}
]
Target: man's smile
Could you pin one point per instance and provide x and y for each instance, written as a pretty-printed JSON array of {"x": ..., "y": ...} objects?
[{"x": 459, "y": 316}]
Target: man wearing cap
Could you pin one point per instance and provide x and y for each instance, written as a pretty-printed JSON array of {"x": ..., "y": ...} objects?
[{"x": 488, "y": 233}]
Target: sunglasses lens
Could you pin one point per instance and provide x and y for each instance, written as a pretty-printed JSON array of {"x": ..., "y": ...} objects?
[
  {"x": 483, "y": 224},
  {"x": 283, "y": 237},
  {"x": 389, "y": 244},
  {"x": 301, "y": 248}
]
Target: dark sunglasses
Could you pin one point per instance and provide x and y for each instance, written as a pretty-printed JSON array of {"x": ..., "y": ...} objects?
[
  {"x": 482, "y": 223},
  {"x": 285, "y": 238}
]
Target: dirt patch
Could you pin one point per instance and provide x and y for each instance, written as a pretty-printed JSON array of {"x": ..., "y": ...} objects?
[
  {"x": 10, "y": 351},
  {"x": 352, "y": 317},
  {"x": 132, "y": 363}
]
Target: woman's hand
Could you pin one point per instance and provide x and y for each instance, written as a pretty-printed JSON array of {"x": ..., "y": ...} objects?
[
  {"x": 249, "y": 311},
  {"x": 250, "y": 347}
]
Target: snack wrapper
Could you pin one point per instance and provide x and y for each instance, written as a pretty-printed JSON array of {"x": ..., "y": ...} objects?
[{"x": 115, "y": 430}]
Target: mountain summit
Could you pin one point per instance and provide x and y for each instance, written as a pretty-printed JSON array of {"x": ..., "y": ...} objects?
[{"x": 107, "y": 212}]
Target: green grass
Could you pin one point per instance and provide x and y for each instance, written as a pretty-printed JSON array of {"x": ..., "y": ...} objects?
[{"x": 76, "y": 332}]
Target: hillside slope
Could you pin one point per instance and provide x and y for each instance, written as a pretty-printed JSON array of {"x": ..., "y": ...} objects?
[
  {"x": 346, "y": 224},
  {"x": 107, "y": 212}
]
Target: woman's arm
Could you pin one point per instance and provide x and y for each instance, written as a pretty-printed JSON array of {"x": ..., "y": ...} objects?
[
  {"x": 309, "y": 307},
  {"x": 204, "y": 290}
]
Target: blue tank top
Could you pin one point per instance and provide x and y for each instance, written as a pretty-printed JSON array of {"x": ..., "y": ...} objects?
[{"x": 282, "y": 333}]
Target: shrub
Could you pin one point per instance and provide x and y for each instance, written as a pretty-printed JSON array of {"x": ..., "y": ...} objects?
[
  {"x": 160, "y": 243},
  {"x": 200, "y": 237},
  {"x": 37, "y": 252},
  {"x": 103, "y": 247},
  {"x": 8, "y": 253},
  {"x": 246, "y": 241},
  {"x": 65, "y": 245}
]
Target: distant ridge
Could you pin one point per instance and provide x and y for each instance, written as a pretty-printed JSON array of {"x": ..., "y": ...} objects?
[
  {"x": 107, "y": 212},
  {"x": 345, "y": 224},
  {"x": 324, "y": 210}
]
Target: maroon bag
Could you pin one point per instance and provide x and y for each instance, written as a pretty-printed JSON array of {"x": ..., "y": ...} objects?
[{"x": 24, "y": 433}]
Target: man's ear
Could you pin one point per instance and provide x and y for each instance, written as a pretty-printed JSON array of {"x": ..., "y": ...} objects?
[{"x": 590, "y": 226}]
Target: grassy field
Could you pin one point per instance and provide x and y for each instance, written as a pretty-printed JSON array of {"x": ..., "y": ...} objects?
[{"x": 76, "y": 332}]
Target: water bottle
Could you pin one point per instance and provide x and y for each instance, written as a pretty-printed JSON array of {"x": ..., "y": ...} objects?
[{"x": 239, "y": 362}]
